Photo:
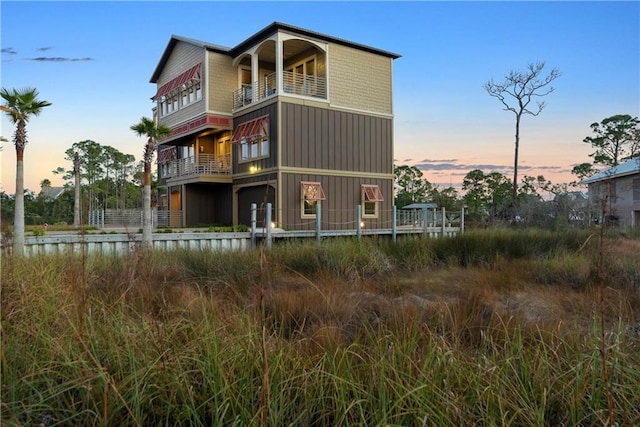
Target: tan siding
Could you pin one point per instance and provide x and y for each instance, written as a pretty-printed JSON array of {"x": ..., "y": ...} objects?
[
  {"x": 223, "y": 80},
  {"x": 360, "y": 80},
  {"x": 182, "y": 57}
]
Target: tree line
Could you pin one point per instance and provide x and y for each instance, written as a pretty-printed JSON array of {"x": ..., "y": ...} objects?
[
  {"x": 103, "y": 177},
  {"x": 488, "y": 195},
  {"x": 109, "y": 176}
]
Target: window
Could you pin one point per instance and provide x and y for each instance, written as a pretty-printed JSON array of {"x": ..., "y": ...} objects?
[
  {"x": 371, "y": 195},
  {"x": 191, "y": 92},
  {"x": 612, "y": 190},
  {"x": 253, "y": 137},
  {"x": 636, "y": 189},
  {"x": 299, "y": 78},
  {"x": 312, "y": 194},
  {"x": 244, "y": 151},
  {"x": 180, "y": 91}
]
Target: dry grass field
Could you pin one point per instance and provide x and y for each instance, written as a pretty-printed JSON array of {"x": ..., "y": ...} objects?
[{"x": 526, "y": 328}]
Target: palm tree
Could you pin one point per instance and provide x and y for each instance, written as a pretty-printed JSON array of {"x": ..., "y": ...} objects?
[
  {"x": 153, "y": 132},
  {"x": 20, "y": 105},
  {"x": 76, "y": 194}
]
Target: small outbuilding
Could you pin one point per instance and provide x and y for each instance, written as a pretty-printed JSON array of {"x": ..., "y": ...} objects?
[{"x": 615, "y": 194}]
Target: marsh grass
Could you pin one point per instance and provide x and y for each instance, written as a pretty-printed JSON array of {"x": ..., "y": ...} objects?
[{"x": 493, "y": 328}]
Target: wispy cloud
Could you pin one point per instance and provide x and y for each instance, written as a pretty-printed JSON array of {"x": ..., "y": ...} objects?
[
  {"x": 57, "y": 59},
  {"x": 439, "y": 161},
  {"x": 43, "y": 49},
  {"x": 9, "y": 50},
  {"x": 430, "y": 166}
]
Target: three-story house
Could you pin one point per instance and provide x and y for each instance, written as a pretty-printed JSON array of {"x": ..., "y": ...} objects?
[{"x": 289, "y": 117}]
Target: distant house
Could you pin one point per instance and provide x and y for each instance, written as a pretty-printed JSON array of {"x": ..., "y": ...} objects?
[
  {"x": 289, "y": 117},
  {"x": 616, "y": 193},
  {"x": 417, "y": 213},
  {"x": 52, "y": 193}
]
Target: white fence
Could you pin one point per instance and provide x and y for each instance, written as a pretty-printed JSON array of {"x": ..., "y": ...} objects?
[
  {"x": 426, "y": 224},
  {"x": 126, "y": 243},
  {"x": 131, "y": 219}
]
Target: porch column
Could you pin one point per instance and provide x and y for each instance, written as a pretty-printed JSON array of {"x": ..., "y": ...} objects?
[
  {"x": 279, "y": 64},
  {"x": 254, "y": 73}
]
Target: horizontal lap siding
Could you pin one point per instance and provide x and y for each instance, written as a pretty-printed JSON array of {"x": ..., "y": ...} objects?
[
  {"x": 183, "y": 57},
  {"x": 343, "y": 194},
  {"x": 335, "y": 140},
  {"x": 360, "y": 80},
  {"x": 222, "y": 81}
]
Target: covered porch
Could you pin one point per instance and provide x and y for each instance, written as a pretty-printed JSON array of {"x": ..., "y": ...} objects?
[{"x": 281, "y": 65}]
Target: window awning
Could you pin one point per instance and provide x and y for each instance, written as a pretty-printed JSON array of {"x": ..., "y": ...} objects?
[
  {"x": 372, "y": 193},
  {"x": 166, "y": 155},
  {"x": 252, "y": 129},
  {"x": 176, "y": 82},
  {"x": 312, "y": 191}
]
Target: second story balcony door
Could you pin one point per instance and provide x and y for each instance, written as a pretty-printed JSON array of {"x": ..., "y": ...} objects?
[{"x": 300, "y": 78}]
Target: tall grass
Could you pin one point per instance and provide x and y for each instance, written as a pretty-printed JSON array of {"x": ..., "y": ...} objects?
[{"x": 504, "y": 328}]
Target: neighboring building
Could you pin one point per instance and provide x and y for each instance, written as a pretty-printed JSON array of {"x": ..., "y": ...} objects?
[
  {"x": 616, "y": 191},
  {"x": 51, "y": 193},
  {"x": 288, "y": 116}
]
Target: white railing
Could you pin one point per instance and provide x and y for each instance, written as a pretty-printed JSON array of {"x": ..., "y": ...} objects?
[
  {"x": 202, "y": 164},
  {"x": 293, "y": 83},
  {"x": 131, "y": 219},
  {"x": 167, "y": 218},
  {"x": 300, "y": 84}
]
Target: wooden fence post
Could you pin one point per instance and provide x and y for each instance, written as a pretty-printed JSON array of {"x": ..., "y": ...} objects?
[
  {"x": 359, "y": 221},
  {"x": 267, "y": 225},
  {"x": 394, "y": 222},
  {"x": 254, "y": 214},
  {"x": 318, "y": 221}
]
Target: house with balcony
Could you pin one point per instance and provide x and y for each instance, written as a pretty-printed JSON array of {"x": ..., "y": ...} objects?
[
  {"x": 288, "y": 116},
  {"x": 615, "y": 193}
]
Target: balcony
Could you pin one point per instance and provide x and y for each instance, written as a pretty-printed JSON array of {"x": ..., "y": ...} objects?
[
  {"x": 202, "y": 165},
  {"x": 293, "y": 84}
]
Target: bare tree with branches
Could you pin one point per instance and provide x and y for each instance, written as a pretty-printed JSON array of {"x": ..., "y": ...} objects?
[{"x": 520, "y": 88}]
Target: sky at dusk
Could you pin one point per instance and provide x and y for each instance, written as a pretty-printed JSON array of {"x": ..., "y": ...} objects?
[{"x": 93, "y": 62}]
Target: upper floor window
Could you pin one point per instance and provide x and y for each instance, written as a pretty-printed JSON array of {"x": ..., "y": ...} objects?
[
  {"x": 253, "y": 137},
  {"x": 181, "y": 91},
  {"x": 300, "y": 77},
  {"x": 191, "y": 92},
  {"x": 254, "y": 148}
]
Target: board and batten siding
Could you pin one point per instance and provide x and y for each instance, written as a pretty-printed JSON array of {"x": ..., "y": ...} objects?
[
  {"x": 321, "y": 138},
  {"x": 360, "y": 80},
  {"x": 339, "y": 210},
  {"x": 240, "y": 167}
]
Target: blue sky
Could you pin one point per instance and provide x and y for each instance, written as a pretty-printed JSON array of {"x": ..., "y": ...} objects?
[{"x": 93, "y": 61}]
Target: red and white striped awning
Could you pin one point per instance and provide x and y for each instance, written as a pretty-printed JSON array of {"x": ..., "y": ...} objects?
[
  {"x": 312, "y": 191},
  {"x": 372, "y": 193},
  {"x": 176, "y": 82},
  {"x": 167, "y": 155},
  {"x": 256, "y": 128}
]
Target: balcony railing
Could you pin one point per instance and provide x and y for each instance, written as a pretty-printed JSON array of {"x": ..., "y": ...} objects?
[
  {"x": 202, "y": 164},
  {"x": 293, "y": 83}
]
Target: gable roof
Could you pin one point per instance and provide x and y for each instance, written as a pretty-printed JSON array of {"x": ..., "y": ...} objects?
[
  {"x": 173, "y": 41},
  {"x": 630, "y": 167},
  {"x": 420, "y": 206},
  {"x": 255, "y": 39},
  {"x": 52, "y": 193}
]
